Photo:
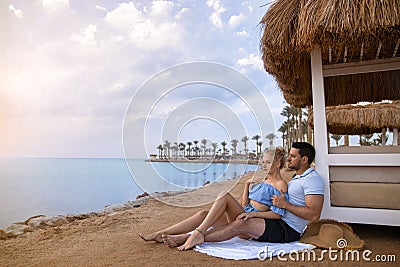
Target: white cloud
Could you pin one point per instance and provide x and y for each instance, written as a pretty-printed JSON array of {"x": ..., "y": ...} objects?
[
  {"x": 55, "y": 3},
  {"x": 147, "y": 29},
  {"x": 87, "y": 37},
  {"x": 243, "y": 33},
  {"x": 215, "y": 17},
  {"x": 150, "y": 36},
  {"x": 101, "y": 8},
  {"x": 17, "y": 12},
  {"x": 182, "y": 12},
  {"x": 125, "y": 16},
  {"x": 161, "y": 7},
  {"x": 236, "y": 20},
  {"x": 216, "y": 5},
  {"x": 252, "y": 61},
  {"x": 216, "y": 20},
  {"x": 61, "y": 96}
]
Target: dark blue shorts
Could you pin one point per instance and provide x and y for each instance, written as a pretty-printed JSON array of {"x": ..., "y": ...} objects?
[{"x": 277, "y": 231}]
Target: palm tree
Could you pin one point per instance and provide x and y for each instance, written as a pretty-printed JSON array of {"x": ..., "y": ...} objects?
[
  {"x": 223, "y": 143},
  {"x": 208, "y": 151},
  {"x": 234, "y": 143},
  {"x": 244, "y": 140},
  {"x": 365, "y": 139},
  {"x": 204, "y": 143},
  {"x": 167, "y": 147},
  {"x": 260, "y": 145},
  {"x": 175, "y": 149},
  {"x": 304, "y": 130},
  {"x": 309, "y": 129},
  {"x": 256, "y": 137},
  {"x": 196, "y": 149},
  {"x": 160, "y": 149},
  {"x": 284, "y": 129},
  {"x": 295, "y": 118},
  {"x": 214, "y": 145},
  {"x": 337, "y": 138},
  {"x": 188, "y": 149},
  {"x": 271, "y": 137},
  {"x": 290, "y": 136},
  {"x": 182, "y": 149},
  {"x": 287, "y": 113},
  {"x": 381, "y": 139}
]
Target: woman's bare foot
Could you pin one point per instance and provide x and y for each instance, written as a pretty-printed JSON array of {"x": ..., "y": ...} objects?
[
  {"x": 156, "y": 236},
  {"x": 175, "y": 240},
  {"x": 195, "y": 239}
]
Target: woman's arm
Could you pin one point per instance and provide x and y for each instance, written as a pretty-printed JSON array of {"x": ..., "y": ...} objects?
[{"x": 245, "y": 196}]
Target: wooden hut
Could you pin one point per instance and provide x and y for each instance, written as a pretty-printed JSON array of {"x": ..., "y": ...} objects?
[{"x": 329, "y": 53}]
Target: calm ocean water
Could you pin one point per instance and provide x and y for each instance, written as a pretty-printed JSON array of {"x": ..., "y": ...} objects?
[{"x": 51, "y": 186}]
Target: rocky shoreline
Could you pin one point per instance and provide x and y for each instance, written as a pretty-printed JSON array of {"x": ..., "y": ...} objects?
[
  {"x": 42, "y": 221},
  {"x": 37, "y": 222}
]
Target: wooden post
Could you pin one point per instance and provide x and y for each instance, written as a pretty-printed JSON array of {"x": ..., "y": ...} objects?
[
  {"x": 320, "y": 128},
  {"x": 383, "y": 136}
]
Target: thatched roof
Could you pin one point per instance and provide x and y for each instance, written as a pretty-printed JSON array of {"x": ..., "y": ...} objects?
[
  {"x": 367, "y": 119},
  {"x": 346, "y": 31}
]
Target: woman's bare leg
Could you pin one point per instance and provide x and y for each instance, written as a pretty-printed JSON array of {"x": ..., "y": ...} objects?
[
  {"x": 225, "y": 204},
  {"x": 179, "y": 239},
  {"x": 182, "y": 227}
]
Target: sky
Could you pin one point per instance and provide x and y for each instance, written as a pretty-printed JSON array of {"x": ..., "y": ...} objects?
[{"x": 75, "y": 73}]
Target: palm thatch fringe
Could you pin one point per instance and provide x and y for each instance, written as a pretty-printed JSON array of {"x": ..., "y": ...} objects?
[
  {"x": 346, "y": 31},
  {"x": 355, "y": 120}
]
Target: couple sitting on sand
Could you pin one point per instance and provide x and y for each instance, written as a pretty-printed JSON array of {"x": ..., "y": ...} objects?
[{"x": 271, "y": 211}]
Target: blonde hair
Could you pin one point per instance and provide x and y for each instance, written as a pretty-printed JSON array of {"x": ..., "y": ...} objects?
[{"x": 279, "y": 155}]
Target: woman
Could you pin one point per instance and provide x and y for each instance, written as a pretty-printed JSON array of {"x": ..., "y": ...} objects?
[{"x": 226, "y": 208}]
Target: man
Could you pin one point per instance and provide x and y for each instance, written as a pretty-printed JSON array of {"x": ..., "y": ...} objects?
[{"x": 306, "y": 197}]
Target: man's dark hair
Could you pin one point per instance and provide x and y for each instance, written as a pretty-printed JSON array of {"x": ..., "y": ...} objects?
[{"x": 305, "y": 149}]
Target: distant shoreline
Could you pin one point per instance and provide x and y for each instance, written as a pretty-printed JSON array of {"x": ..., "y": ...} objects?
[{"x": 224, "y": 161}]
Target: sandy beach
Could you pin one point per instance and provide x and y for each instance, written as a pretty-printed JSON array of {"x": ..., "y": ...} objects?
[{"x": 112, "y": 239}]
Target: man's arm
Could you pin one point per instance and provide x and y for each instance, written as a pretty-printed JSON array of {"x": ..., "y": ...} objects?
[
  {"x": 311, "y": 211},
  {"x": 260, "y": 214}
]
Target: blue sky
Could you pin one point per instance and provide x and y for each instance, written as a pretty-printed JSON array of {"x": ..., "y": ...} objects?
[{"x": 71, "y": 68}]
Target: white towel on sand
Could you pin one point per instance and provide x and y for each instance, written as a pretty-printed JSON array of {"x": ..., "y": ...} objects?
[{"x": 241, "y": 249}]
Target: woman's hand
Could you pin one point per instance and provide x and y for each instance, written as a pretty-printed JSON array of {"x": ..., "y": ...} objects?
[
  {"x": 250, "y": 181},
  {"x": 246, "y": 215}
]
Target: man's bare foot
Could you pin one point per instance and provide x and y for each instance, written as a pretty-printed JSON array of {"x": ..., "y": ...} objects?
[
  {"x": 195, "y": 239},
  {"x": 175, "y": 240},
  {"x": 156, "y": 236}
]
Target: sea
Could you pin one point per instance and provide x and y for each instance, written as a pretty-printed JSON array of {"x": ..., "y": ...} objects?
[{"x": 57, "y": 186}]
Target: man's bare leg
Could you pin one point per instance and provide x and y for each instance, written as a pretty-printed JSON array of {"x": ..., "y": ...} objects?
[
  {"x": 175, "y": 240},
  {"x": 253, "y": 227}
]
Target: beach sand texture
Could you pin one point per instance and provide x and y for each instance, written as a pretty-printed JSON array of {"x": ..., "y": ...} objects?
[{"x": 112, "y": 239}]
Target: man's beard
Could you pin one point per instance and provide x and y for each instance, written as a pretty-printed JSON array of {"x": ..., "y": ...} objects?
[{"x": 293, "y": 167}]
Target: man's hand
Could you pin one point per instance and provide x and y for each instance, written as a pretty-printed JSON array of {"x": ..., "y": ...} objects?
[{"x": 279, "y": 201}]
